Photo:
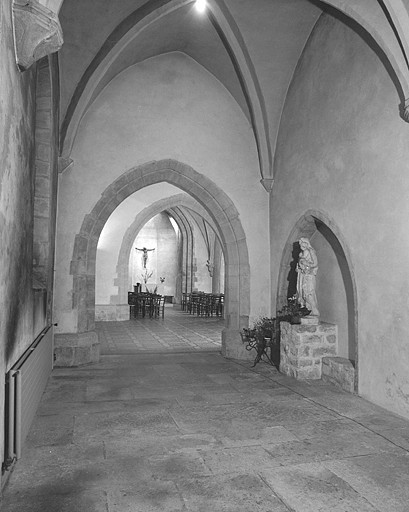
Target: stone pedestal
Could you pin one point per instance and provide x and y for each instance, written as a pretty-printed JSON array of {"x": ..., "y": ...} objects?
[
  {"x": 339, "y": 371},
  {"x": 302, "y": 348},
  {"x": 76, "y": 349}
]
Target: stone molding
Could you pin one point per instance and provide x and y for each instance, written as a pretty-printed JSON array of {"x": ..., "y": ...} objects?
[
  {"x": 37, "y": 32},
  {"x": 267, "y": 184},
  {"x": 64, "y": 163},
  {"x": 405, "y": 111}
]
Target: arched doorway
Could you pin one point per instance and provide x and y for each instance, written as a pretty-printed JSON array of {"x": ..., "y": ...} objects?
[
  {"x": 218, "y": 206},
  {"x": 336, "y": 290},
  {"x": 171, "y": 204}
]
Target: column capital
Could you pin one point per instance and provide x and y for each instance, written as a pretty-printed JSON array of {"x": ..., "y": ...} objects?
[{"x": 37, "y": 32}]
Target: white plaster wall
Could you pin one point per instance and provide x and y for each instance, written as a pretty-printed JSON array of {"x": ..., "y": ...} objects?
[
  {"x": 332, "y": 293},
  {"x": 202, "y": 281},
  {"x": 160, "y": 235},
  {"x": 166, "y": 107},
  {"x": 113, "y": 233},
  {"x": 343, "y": 150}
]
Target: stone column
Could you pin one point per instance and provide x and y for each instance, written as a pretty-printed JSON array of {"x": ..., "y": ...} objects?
[{"x": 302, "y": 348}]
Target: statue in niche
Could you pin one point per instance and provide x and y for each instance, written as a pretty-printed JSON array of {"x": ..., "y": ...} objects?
[
  {"x": 144, "y": 251},
  {"x": 307, "y": 267}
]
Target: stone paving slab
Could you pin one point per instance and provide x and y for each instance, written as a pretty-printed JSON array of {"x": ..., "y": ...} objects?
[
  {"x": 59, "y": 470},
  {"x": 313, "y": 488},
  {"x": 235, "y": 492},
  {"x": 381, "y": 479},
  {"x": 155, "y": 496},
  {"x": 99, "y": 424},
  {"x": 323, "y": 428},
  {"x": 84, "y": 500}
]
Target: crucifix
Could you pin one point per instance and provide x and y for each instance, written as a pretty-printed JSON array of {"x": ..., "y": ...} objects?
[{"x": 144, "y": 251}]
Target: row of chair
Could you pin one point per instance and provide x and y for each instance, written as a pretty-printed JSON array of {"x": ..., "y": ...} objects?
[
  {"x": 203, "y": 304},
  {"x": 146, "y": 304}
]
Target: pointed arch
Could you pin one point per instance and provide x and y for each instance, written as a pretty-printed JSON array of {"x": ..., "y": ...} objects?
[
  {"x": 129, "y": 29},
  {"x": 220, "y": 209},
  {"x": 169, "y": 203}
]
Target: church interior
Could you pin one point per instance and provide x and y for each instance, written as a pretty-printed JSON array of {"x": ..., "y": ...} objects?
[{"x": 187, "y": 146}]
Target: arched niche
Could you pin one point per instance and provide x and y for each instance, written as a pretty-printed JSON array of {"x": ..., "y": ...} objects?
[
  {"x": 220, "y": 209},
  {"x": 336, "y": 289}
]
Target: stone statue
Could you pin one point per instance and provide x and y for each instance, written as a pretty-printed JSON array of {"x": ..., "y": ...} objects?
[
  {"x": 307, "y": 267},
  {"x": 210, "y": 267},
  {"x": 144, "y": 255}
]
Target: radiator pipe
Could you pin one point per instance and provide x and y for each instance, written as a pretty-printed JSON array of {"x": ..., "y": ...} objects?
[
  {"x": 10, "y": 446},
  {"x": 18, "y": 415}
]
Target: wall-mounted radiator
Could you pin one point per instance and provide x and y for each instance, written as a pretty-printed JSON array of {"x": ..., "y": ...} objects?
[{"x": 25, "y": 384}]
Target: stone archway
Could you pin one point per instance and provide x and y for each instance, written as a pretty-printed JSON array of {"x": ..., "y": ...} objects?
[
  {"x": 167, "y": 204},
  {"x": 220, "y": 209},
  {"x": 307, "y": 226}
]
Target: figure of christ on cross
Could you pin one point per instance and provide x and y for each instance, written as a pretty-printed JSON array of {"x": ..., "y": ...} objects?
[{"x": 144, "y": 251}]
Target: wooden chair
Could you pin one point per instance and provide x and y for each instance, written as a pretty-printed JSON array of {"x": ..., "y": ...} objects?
[
  {"x": 219, "y": 306},
  {"x": 157, "y": 306},
  {"x": 184, "y": 301},
  {"x": 133, "y": 302}
]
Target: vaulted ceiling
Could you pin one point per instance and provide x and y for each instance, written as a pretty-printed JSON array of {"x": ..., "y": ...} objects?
[{"x": 251, "y": 47}]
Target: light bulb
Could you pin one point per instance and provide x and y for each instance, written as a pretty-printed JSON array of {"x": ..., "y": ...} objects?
[{"x": 201, "y": 5}]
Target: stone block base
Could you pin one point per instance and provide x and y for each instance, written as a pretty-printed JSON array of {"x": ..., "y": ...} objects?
[
  {"x": 233, "y": 347},
  {"x": 111, "y": 312},
  {"x": 339, "y": 371},
  {"x": 302, "y": 348},
  {"x": 76, "y": 349}
]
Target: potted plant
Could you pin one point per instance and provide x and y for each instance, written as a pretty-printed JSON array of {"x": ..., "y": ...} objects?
[
  {"x": 261, "y": 336},
  {"x": 264, "y": 328},
  {"x": 292, "y": 311}
]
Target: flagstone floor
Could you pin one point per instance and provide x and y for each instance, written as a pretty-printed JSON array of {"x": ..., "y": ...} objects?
[
  {"x": 177, "y": 331},
  {"x": 161, "y": 428}
]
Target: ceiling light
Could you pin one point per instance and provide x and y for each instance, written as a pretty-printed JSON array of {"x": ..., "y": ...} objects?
[{"x": 201, "y": 5}]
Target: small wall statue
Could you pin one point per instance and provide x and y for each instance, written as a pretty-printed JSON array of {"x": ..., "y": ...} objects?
[{"x": 307, "y": 267}]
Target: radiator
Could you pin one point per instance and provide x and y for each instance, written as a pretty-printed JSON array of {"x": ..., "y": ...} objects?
[{"x": 25, "y": 385}]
